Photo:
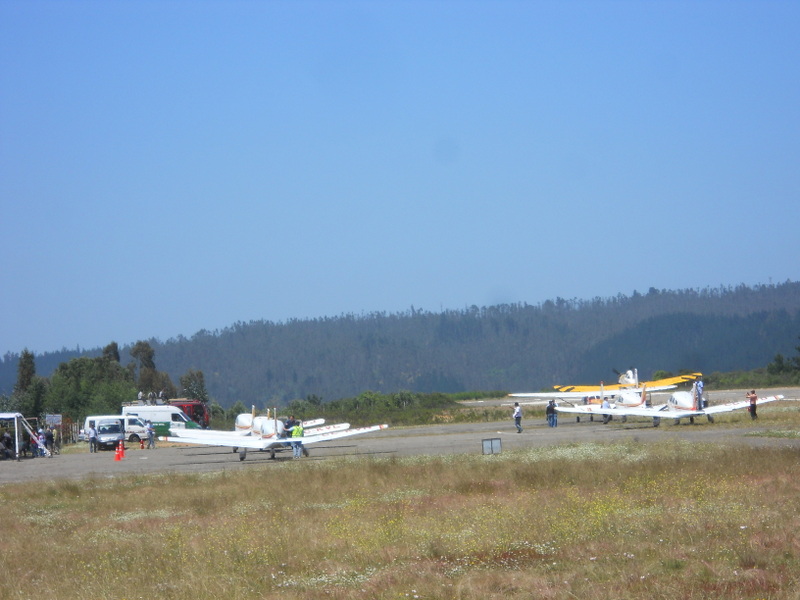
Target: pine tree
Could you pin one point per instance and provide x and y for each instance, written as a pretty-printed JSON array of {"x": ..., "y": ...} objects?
[{"x": 26, "y": 372}]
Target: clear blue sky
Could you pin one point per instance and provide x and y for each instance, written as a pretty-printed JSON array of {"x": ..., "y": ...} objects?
[{"x": 172, "y": 166}]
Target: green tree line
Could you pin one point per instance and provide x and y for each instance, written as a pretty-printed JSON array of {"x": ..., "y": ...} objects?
[{"x": 93, "y": 385}]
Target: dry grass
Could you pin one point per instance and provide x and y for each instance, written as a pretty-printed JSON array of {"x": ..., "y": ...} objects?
[{"x": 590, "y": 521}]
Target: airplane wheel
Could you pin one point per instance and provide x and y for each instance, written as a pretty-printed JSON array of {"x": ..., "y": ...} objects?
[
  {"x": 624, "y": 419},
  {"x": 656, "y": 421},
  {"x": 591, "y": 418},
  {"x": 677, "y": 421},
  {"x": 691, "y": 420},
  {"x": 305, "y": 451},
  {"x": 710, "y": 418},
  {"x": 272, "y": 453},
  {"x": 577, "y": 419},
  {"x": 235, "y": 450},
  {"x": 242, "y": 454}
]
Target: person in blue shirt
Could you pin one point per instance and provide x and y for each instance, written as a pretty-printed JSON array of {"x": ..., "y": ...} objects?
[
  {"x": 552, "y": 415},
  {"x": 701, "y": 402}
]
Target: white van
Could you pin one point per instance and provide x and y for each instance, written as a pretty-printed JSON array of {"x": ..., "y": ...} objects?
[
  {"x": 134, "y": 427},
  {"x": 163, "y": 417}
]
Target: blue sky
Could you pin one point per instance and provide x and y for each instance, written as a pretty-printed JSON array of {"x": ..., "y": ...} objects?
[{"x": 167, "y": 167}]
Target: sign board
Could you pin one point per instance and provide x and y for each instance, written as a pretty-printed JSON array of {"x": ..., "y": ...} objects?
[
  {"x": 53, "y": 420},
  {"x": 492, "y": 446}
]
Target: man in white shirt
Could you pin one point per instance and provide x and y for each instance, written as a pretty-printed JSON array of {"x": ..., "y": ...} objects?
[{"x": 517, "y": 416}]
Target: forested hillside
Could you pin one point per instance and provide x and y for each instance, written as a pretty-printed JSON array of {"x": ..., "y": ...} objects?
[{"x": 512, "y": 347}]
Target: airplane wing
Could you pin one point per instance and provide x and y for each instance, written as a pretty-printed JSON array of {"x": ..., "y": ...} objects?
[
  {"x": 327, "y": 429},
  {"x": 555, "y": 395},
  {"x": 663, "y": 410},
  {"x": 717, "y": 408},
  {"x": 335, "y": 435},
  {"x": 731, "y": 406},
  {"x": 209, "y": 433},
  {"x": 587, "y": 389},
  {"x": 222, "y": 438},
  {"x": 676, "y": 380},
  {"x": 589, "y": 409},
  {"x": 576, "y": 391},
  {"x": 656, "y": 411},
  {"x": 590, "y": 392},
  {"x": 214, "y": 434},
  {"x": 653, "y": 388},
  {"x": 655, "y": 385}
]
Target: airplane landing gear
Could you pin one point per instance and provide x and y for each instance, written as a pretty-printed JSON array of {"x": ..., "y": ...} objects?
[
  {"x": 242, "y": 453},
  {"x": 656, "y": 421}
]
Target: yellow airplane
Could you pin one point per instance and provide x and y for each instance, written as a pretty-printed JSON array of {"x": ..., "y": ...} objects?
[{"x": 630, "y": 381}]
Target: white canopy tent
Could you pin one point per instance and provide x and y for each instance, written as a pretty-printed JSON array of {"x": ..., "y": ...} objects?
[{"x": 19, "y": 423}]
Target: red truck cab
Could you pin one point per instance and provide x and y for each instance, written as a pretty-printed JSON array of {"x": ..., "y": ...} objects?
[{"x": 195, "y": 409}]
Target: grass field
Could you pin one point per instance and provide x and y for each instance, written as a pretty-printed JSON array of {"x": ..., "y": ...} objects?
[{"x": 672, "y": 520}]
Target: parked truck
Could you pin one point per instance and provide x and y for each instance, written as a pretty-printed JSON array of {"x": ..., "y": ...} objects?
[
  {"x": 195, "y": 409},
  {"x": 163, "y": 417}
]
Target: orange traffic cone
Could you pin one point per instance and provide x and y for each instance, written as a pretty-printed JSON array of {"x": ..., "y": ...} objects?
[
  {"x": 118, "y": 454},
  {"x": 141, "y": 443},
  {"x": 122, "y": 449}
]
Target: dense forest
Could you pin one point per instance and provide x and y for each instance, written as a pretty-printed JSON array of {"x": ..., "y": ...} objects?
[{"x": 512, "y": 347}]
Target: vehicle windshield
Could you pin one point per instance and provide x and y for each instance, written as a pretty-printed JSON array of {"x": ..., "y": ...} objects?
[
  {"x": 110, "y": 428},
  {"x": 180, "y": 416}
]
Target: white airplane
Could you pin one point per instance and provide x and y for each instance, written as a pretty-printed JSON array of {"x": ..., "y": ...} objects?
[
  {"x": 680, "y": 405},
  {"x": 627, "y": 399},
  {"x": 627, "y": 391},
  {"x": 591, "y": 402},
  {"x": 266, "y": 433}
]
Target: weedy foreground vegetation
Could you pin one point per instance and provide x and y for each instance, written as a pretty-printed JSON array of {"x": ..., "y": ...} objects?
[{"x": 670, "y": 520}]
